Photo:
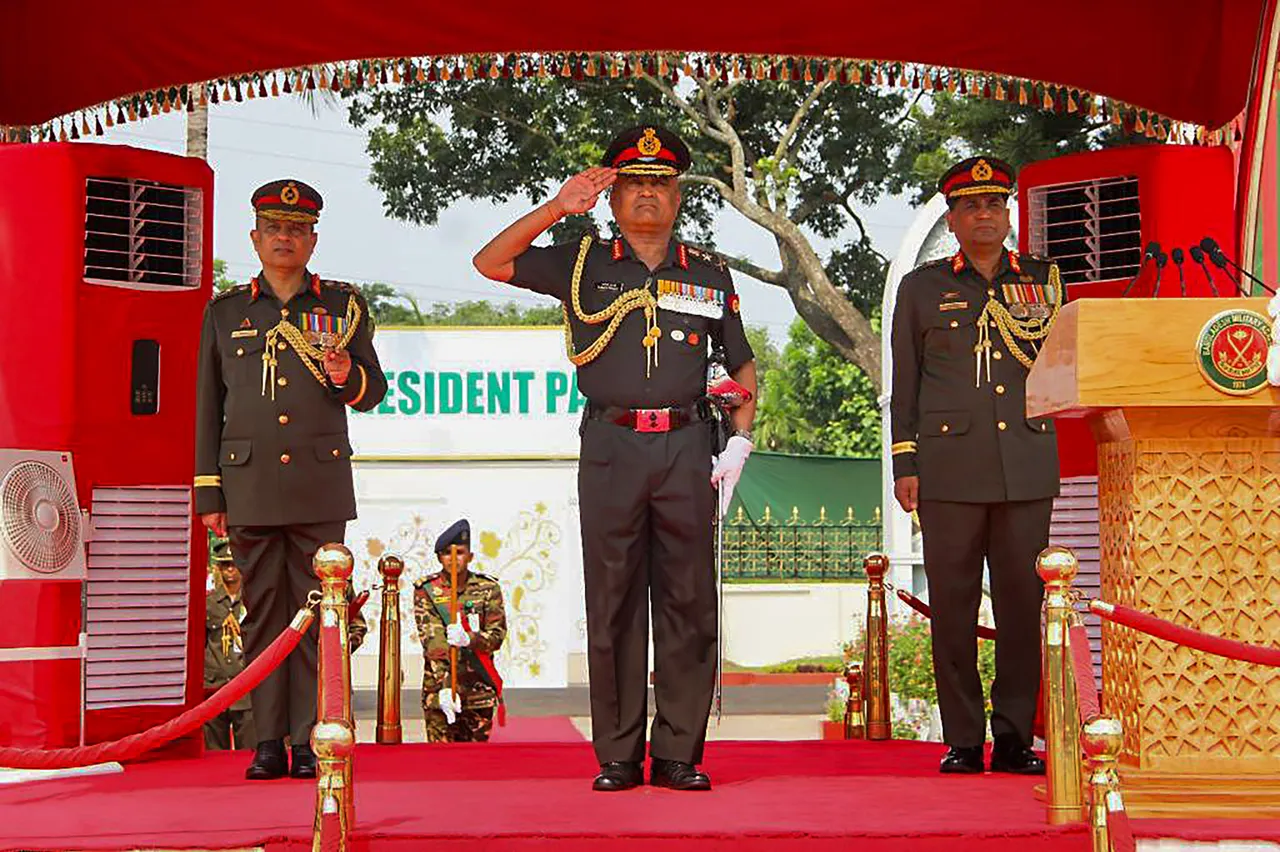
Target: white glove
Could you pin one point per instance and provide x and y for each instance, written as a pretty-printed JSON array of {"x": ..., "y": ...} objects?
[
  {"x": 450, "y": 705},
  {"x": 728, "y": 469},
  {"x": 456, "y": 635}
]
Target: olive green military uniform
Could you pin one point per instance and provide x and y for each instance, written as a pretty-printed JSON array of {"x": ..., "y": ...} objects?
[
  {"x": 223, "y": 660},
  {"x": 987, "y": 472},
  {"x": 485, "y": 619},
  {"x": 644, "y": 483},
  {"x": 272, "y": 452}
]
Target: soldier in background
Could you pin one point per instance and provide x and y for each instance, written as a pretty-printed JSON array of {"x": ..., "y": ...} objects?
[
  {"x": 224, "y": 652},
  {"x": 981, "y": 473},
  {"x": 477, "y": 632}
]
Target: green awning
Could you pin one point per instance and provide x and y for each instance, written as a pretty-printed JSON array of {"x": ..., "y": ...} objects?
[{"x": 809, "y": 484}]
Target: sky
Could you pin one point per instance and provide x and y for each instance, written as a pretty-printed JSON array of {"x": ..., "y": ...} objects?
[{"x": 257, "y": 141}]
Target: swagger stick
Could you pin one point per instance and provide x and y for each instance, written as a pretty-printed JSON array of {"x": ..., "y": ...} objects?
[{"x": 455, "y": 555}]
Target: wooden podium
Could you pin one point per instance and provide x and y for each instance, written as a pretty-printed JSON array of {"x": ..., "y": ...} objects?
[{"x": 1189, "y": 506}]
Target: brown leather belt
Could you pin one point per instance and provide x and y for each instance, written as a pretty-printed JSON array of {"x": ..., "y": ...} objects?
[{"x": 649, "y": 419}]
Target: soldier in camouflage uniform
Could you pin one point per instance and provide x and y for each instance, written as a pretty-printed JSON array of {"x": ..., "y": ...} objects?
[
  {"x": 477, "y": 633},
  {"x": 224, "y": 652}
]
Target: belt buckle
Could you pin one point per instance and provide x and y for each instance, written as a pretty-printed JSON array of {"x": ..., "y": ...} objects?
[{"x": 653, "y": 419}]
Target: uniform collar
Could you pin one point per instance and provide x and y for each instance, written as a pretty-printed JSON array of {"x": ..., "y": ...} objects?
[
  {"x": 256, "y": 285},
  {"x": 1009, "y": 259},
  {"x": 677, "y": 253}
]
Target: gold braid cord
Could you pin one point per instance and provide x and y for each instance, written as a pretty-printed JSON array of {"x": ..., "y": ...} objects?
[
  {"x": 615, "y": 313},
  {"x": 1030, "y": 330},
  {"x": 311, "y": 356}
]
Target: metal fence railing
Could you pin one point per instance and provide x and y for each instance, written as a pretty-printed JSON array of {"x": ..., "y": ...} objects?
[{"x": 767, "y": 548}]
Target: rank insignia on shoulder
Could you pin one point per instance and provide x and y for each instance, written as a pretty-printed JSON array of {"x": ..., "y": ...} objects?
[
  {"x": 707, "y": 257},
  {"x": 232, "y": 291}
]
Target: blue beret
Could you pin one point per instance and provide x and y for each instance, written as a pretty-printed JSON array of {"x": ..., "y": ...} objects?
[{"x": 459, "y": 533}]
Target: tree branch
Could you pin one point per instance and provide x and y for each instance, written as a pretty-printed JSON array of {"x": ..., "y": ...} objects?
[
  {"x": 780, "y": 153},
  {"x": 718, "y": 185},
  {"x": 765, "y": 276},
  {"x": 505, "y": 119},
  {"x": 687, "y": 108}
]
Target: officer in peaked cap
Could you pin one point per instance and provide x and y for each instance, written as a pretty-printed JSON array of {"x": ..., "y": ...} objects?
[
  {"x": 281, "y": 360},
  {"x": 474, "y": 635},
  {"x": 981, "y": 473},
  {"x": 641, "y": 310}
]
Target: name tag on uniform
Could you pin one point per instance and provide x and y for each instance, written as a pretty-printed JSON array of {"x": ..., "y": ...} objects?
[
  {"x": 245, "y": 332},
  {"x": 683, "y": 297},
  {"x": 608, "y": 287},
  {"x": 953, "y": 306}
]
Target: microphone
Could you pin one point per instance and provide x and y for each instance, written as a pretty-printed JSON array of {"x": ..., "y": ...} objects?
[
  {"x": 1153, "y": 249},
  {"x": 1210, "y": 245},
  {"x": 1177, "y": 256},
  {"x": 1161, "y": 260},
  {"x": 1197, "y": 254}
]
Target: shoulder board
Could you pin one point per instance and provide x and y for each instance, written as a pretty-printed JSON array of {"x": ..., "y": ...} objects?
[
  {"x": 931, "y": 264},
  {"x": 226, "y": 294},
  {"x": 708, "y": 257},
  {"x": 343, "y": 286},
  {"x": 484, "y": 576}
]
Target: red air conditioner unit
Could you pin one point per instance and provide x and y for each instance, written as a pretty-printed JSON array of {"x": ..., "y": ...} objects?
[{"x": 104, "y": 275}]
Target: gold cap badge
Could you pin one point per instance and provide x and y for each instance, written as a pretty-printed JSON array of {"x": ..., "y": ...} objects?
[
  {"x": 289, "y": 195},
  {"x": 981, "y": 170},
  {"x": 649, "y": 144}
]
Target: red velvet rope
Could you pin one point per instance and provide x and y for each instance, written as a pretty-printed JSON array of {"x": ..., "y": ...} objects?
[
  {"x": 331, "y": 833},
  {"x": 136, "y": 744},
  {"x": 1120, "y": 831},
  {"x": 1086, "y": 686},
  {"x": 1168, "y": 631},
  {"x": 921, "y": 607}
]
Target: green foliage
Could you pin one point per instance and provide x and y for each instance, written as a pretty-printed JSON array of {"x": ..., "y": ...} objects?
[
  {"x": 390, "y": 306},
  {"x": 814, "y": 401},
  {"x": 911, "y": 660},
  {"x": 221, "y": 280},
  {"x": 949, "y": 127}
]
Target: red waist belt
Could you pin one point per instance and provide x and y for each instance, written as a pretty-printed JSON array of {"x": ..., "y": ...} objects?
[{"x": 649, "y": 419}]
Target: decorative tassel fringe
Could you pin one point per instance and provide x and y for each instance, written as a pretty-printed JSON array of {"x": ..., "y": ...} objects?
[{"x": 717, "y": 68}]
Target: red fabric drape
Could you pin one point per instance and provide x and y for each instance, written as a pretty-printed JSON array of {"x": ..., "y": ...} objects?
[
  {"x": 1190, "y": 60},
  {"x": 1086, "y": 686}
]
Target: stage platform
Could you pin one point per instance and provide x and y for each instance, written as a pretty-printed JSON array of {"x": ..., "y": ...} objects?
[{"x": 535, "y": 795}]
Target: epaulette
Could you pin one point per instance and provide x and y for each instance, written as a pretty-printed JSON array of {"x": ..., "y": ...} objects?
[
  {"x": 484, "y": 576},
  {"x": 710, "y": 258},
  {"x": 344, "y": 286},
  {"x": 930, "y": 264},
  {"x": 234, "y": 291}
]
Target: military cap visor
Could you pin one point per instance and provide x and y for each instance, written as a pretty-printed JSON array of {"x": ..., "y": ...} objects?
[
  {"x": 459, "y": 533},
  {"x": 647, "y": 150},
  {"x": 287, "y": 201},
  {"x": 977, "y": 176},
  {"x": 222, "y": 551}
]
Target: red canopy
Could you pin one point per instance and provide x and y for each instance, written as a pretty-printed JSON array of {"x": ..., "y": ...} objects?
[{"x": 1187, "y": 59}]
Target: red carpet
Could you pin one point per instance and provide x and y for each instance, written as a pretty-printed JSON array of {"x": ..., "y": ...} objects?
[
  {"x": 768, "y": 796},
  {"x": 537, "y": 729}
]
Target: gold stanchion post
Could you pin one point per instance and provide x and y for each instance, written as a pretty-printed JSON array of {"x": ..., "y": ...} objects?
[
  {"x": 1057, "y": 567},
  {"x": 875, "y": 662},
  {"x": 389, "y": 670},
  {"x": 334, "y": 736},
  {"x": 854, "y": 723},
  {"x": 1102, "y": 739}
]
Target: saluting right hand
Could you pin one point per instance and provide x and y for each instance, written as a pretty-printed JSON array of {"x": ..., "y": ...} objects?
[{"x": 580, "y": 192}]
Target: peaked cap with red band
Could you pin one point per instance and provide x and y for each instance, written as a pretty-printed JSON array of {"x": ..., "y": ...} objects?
[
  {"x": 287, "y": 201},
  {"x": 647, "y": 150},
  {"x": 977, "y": 176}
]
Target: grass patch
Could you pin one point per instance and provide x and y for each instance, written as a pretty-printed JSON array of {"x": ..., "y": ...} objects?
[{"x": 833, "y": 664}]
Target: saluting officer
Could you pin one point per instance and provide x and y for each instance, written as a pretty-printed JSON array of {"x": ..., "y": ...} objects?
[
  {"x": 641, "y": 309},
  {"x": 982, "y": 474},
  {"x": 281, "y": 358}
]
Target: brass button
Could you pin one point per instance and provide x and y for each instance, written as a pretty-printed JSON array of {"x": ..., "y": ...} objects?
[
  {"x": 282, "y": 346},
  {"x": 239, "y": 352},
  {"x": 991, "y": 291},
  {"x": 955, "y": 324},
  {"x": 284, "y": 458},
  {"x": 282, "y": 381},
  {"x": 993, "y": 323},
  {"x": 337, "y": 454},
  {"x": 284, "y": 312},
  {"x": 284, "y": 419},
  {"x": 231, "y": 456},
  {"x": 946, "y": 428},
  {"x": 1044, "y": 427},
  {"x": 997, "y": 355},
  {"x": 999, "y": 388},
  {"x": 1002, "y": 425}
]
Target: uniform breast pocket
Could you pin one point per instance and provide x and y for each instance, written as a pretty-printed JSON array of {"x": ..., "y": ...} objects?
[
  {"x": 242, "y": 361},
  {"x": 1041, "y": 426},
  {"x": 951, "y": 334},
  {"x": 687, "y": 332}
]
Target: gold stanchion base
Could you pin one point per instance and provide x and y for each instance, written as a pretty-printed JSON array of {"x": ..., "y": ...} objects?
[
  {"x": 1062, "y": 815},
  {"x": 879, "y": 731},
  {"x": 1171, "y": 795},
  {"x": 390, "y": 735}
]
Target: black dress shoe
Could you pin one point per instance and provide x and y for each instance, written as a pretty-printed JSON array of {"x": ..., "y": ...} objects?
[
  {"x": 962, "y": 761},
  {"x": 303, "y": 764},
  {"x": 677, "y": 775},
  {"x": 618, "y": 775},
  {"x": 269, "y": 762},
  {"x": 1010, "y": 754}
]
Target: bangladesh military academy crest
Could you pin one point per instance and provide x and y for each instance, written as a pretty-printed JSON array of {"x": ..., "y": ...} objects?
[{"x": 1232, "y": 351}]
